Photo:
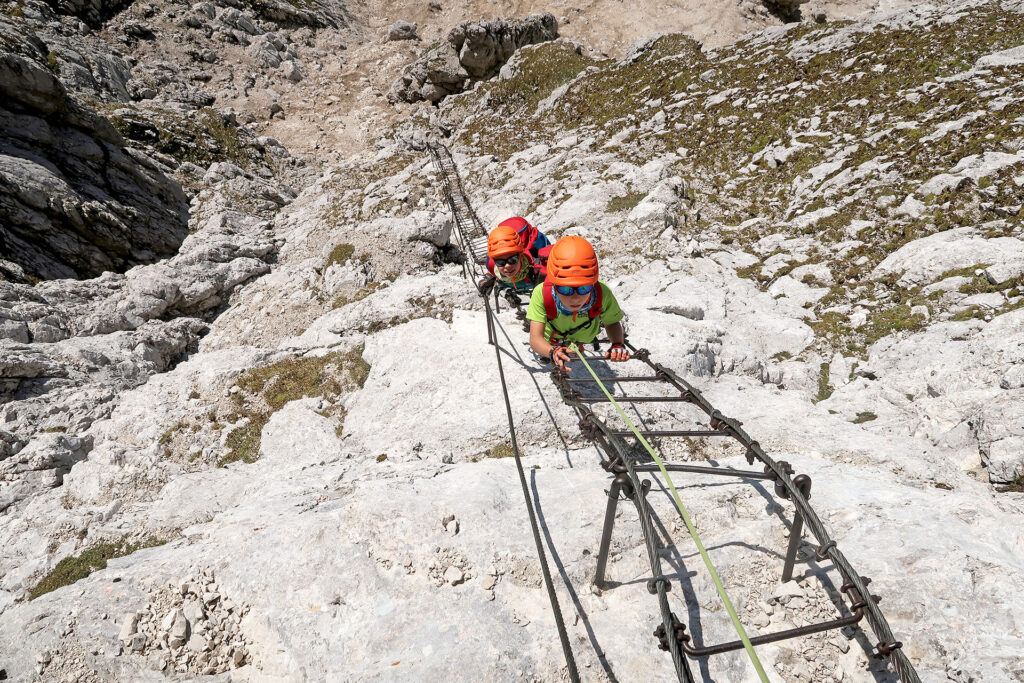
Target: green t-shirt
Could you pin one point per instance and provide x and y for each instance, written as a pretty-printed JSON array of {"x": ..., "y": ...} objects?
[{"x": 610, "y": 314}]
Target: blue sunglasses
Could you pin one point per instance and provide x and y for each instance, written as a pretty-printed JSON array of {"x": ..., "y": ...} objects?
[{"x": 565, "y": 290}]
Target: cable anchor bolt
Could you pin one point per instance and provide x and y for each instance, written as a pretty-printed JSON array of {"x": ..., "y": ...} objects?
[
  {"x": 678, "y": 633},
  {"x": 822, "y": 552}
]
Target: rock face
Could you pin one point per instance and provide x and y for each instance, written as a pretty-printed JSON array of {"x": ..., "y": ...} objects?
[
  {"x": 474, "y": 51},
  {"x": 74, "y": 200},
  {"x": 294, "y": 429}
]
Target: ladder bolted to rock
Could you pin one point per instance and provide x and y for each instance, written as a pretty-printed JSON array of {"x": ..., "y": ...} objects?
[{"x": 620, "y": 461}]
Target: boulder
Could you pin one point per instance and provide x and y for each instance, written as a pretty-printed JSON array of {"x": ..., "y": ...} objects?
[
  {"x": 401, "y": 30},
  {"x": 1005, "y": 460},
  {"x": 291, "y": 70},
  {"x": 474, "y": 51}
]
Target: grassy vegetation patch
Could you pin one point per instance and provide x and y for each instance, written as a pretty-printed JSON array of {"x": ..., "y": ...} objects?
[
  {"x": 340, "y": 253},
  {"x": 243, "y": 443},
  {"x": 1015, "y": 486},
  {"x": 297, "y": 378},
  {"x": 501, "y": 450},
  {"x": 835, "y": 328},
  {"x": 888, "y": 321},
  {"x": 423, "y": 307},
  {"x": 71, "y": 569},
  {"x": 267, "y": 389},
  {"x": 866, "y": 416},
  {"x": 824, "y": 388},
  {"x": 352, "y": 297},
  {"x": 969, "y": 313},
  {"x": 202, "y": 138},
  {"x": 625, "y": 202}
]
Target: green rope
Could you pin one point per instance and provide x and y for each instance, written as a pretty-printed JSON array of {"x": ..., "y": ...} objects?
[{"x": 686, "y": 518}]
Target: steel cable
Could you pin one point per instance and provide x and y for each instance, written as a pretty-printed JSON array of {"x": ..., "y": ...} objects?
[
  {"x": 562, "y": 635},
  {"x": 464, "y": 229}
]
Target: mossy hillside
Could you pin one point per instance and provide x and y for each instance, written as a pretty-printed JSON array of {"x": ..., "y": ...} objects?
[
  {"x": 541, "y": 69},
  {"x": 505, "y": 123},
  {"x": 872, "y": 110},
  {"x": 77, "y": 567}
]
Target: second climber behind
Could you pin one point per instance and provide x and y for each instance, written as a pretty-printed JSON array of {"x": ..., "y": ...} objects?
[
  {"x": 514, "y": 257},
  {"x": 571, "y": 305}
]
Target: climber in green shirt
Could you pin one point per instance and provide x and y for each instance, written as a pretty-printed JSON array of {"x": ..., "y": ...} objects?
[{"x": 571, "y": 305}]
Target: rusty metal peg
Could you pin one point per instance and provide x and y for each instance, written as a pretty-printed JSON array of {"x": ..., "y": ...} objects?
[
  {"x": 803, "y": 485},
  {"x": 750, "y": 452},
  {"x": 886, "y": 649},
  {"x": 718, "y": 422},
  {"x": 569, "y": 395},
  {"x": 613, "y": 465},
  {"x": 780, "y": 488},
  {"x": 848, "y": 585},
  {"x": 625, "y": 485}
]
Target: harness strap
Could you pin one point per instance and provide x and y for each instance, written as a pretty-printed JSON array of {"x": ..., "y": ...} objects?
[{"x": 557, "y": 333}]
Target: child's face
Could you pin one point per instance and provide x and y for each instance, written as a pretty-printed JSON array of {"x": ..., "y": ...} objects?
[
  {"x": 511, "y": 267},
  {"x": 574, "y": 302}
]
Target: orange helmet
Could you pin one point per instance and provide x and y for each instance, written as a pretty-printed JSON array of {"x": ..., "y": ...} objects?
[
  {"x": 503, "y": 241},
  {"x": 572, "y": 262}
]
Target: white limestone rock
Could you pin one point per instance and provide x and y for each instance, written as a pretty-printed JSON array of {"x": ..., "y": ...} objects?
[{"x": 924, "y": 260}]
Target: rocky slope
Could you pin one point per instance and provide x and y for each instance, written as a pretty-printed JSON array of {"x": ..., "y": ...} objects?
[{"x": 278, "y": 452}]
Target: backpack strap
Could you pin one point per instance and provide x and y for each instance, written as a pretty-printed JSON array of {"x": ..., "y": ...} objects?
[
  {"x": 595, "y": 308},
  {"x": 550, "y": 310},
  {"x": 539, "y": 262}
]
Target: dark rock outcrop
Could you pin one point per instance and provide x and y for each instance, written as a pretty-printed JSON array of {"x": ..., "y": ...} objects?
[
  {"x": 75, "y": 201},
  {"x": 92, "y": 12},
  {"x": 474, "y": 51}
]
